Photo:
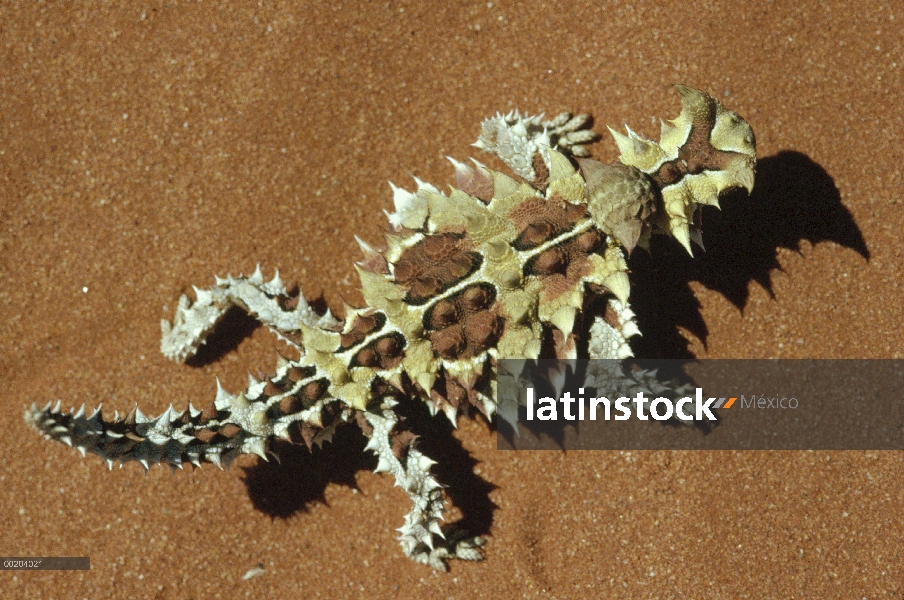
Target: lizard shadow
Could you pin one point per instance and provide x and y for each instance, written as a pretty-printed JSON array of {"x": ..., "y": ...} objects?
[
  {"x": 794, "y": 200},
  {"x": 300, "y": 477},
  {"x": 234, "y": 327}
]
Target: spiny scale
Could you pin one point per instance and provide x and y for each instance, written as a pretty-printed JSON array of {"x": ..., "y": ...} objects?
[{"x": 499, "y": 267}]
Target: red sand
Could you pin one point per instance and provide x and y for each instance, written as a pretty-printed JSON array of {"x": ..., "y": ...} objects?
[{"x": 145, "y": 150}]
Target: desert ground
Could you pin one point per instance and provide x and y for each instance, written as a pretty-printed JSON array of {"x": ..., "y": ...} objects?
[{"x": 146, "y": 147}]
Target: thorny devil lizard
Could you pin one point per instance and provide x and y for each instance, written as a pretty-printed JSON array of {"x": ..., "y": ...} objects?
[{"x": 500, "y": 267}]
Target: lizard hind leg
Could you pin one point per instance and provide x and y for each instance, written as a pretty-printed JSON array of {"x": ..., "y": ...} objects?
[
  {"x": 269, "y": 302},
  {"x": 421, "y": 537}
]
